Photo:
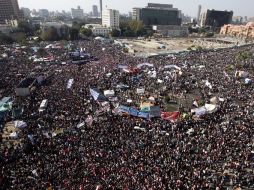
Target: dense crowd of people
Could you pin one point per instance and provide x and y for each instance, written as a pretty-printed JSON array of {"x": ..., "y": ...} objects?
[{"x": 109, "y": 153}]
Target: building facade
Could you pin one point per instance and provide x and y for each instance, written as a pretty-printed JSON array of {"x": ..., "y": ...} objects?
[
  {"x": 110, "y": 18},
  {"x": 99, "y": 30},
  {"x": 171, "y": 31},
  {"x": 240, "y": 31},
  {"x": 26, "y": 12},
  {"x": 215, "y": 18},
  {"x": 158, "y": 14},
  {"x": 77, "y": 13},
  {"x": 95, "y": 11},
  {"x": 43, "y": 13},
  {"x": 199, "y": 12},
  {"x": 9, "y": 10}
]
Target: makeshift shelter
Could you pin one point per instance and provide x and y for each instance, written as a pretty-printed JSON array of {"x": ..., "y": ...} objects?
[
  {"x": 25, "y": 87},
  {"x": 247, "y": 81},
  {"x": 140, "y": 90},
  {"x": 207, "y": 108},
  {"x": 155, "y": 111},
  {"x": 170, "y": 116},
  {"x": 20, "y": 124},
  {"x": 13, "y": 135},
  {"x": 241, "y": 74},
  {"x": 70, "y": 83},
  {"x": 144, "y": 64},
  {"x": 199, "y": 111},
  {"x": 43, "y": 105},
  {"x": 109, "y": 93},
  {"x": 211, "y": 108},
  {"x": 145, "y": 106},
  {"x": 172, "y": 67},
  {"x": 97, "y": 95},
  {"x": 5, "y": 104}
]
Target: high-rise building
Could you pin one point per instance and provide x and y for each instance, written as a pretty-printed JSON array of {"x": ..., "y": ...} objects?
[
  {"x": 95, "y": 11},
  {"x": 77, "y": 13},
  {"x": 199, "y": 12},
  {"x": 9, "y": 10},
  {"x": 110, "y": 18},
  {"x": 215, "y": 18},
  {"x": 158, "y": 14},
  {"x": 101, "y": 8},
  {"x": 43, "y": 13},
  {"x": 26, "y": 12}
]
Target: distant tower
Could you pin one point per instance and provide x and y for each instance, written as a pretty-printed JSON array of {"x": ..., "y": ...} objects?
[
  {"x": 199, "y": 12},
  {"x": 101, "y": 8}
]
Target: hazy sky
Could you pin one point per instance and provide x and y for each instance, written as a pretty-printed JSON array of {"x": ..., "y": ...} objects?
[{"x": 189, "y": 7}]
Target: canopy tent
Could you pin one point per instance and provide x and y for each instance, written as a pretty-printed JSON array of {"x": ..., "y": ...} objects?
[
  {"x": 109, "y": 93},
  {"x": 140, "y": 90},
  {"x": 172, "y": 67},
  {"x": 132, "y": 111},
  {"x": 171, "y": 116},
  {"x": 247, "y": 81},
  {"x": 13, "y": 135},
  {"x": 152, "y": 74},
  {"x": 20, "y": 124},
  {"x": 208, "y": 84},
  {"x": 144, "y": 64},
  {"x": 70, "y": 83},
  {"x": 241, "y": 74},
  {"x": 207, "y": 108},
  {"x": 5, "y": 104},
  {"x": 199, "y": 111},
  {"x": 145, "y": 106},
  {"x": 211, "y": 108},
  {"x": 155, "y": 111},
  {"x": 122, "y": 66},
  {"x": 97, "y": 95}
]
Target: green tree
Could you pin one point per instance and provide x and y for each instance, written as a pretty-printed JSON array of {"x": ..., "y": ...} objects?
[
  {"x": 74, "y": 34},
  {"x": 24, "y": 26},
  {"x": 115, "y": 33},
  {"x": 86, "y": 31},
  {"x": 5, "y": 39},
  {"x": 137, "y": 27},
  {"x": 50, "y": 34},
  {"x": 129, "y": 33}
]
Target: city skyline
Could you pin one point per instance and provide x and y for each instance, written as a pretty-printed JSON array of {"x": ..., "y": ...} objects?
[{"x": 188, "y": 7}]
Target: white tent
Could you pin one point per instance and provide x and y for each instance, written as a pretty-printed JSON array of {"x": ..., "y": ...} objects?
[
  {"x": 208, "y": 84},
  {"x": 20, "y": 124},
  {"x": 140, "y": 90},
  {"x": 211, "y": 108},
  {"x": 199, "y": 111},
  {"x": 172, "y": 67},
  {"x": 145, "y": 64},
  {"x": 109, "y": 93},
  {"x": 241, "y": 74},
  {"x": 13, "y": 135}
]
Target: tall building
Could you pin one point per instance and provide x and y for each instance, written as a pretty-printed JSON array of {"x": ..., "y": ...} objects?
[
  {"x": 199, "y": 12},
  {"x": 95, "y": 11},
  {"x": 26, "y": 12},
  {"x": 215, "y": 18},
  {"x": 240, "y": 31},
  {"x": 101, "y": 8},
  {"x": 77, "y": 13},
  {"x": 158, "y": 14},
  {"x": 9, "y": 10},
  {"x": 110, "y": 18},
  {"x": 43, "y": 13}
]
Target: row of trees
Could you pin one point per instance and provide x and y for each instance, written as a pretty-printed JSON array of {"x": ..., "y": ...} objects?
[
  {"x": 131, "y": 28},
  {"x": 128, "y": 28}
]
